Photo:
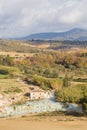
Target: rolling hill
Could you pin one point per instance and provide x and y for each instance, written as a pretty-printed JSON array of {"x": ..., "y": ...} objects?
[{"x": 74, "y": 34}]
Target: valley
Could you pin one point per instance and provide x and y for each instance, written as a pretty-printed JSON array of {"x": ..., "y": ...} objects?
[{"x": 32, "y": 70}]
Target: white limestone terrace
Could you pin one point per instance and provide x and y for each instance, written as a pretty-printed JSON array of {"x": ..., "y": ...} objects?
[{"x": 38, "y": 106}]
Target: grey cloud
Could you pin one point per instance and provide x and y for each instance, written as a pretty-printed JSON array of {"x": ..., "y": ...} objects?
[{"x": 23, "y": 17}]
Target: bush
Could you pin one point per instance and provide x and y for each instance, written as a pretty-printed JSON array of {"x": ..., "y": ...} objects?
[
  {"x": 4, "y": 72},
  {"x": 9, "y": 71},
  {"x": 85, "y": 107},
  {"x": 46, "y": 83},
  {"x": 13, "y": 90},
  {"x": 74, "y": 94}
]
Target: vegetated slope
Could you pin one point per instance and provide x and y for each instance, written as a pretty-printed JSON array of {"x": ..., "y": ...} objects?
[
  {"x": 74, "y": 34},
  {"x": 16, "y": 46}
]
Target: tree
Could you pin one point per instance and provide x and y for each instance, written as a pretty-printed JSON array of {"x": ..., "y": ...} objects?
[{"x": 66, "y": 81}]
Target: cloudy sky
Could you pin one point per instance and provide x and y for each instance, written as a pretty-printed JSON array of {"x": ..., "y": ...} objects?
[{"x": 24, "y": 17}]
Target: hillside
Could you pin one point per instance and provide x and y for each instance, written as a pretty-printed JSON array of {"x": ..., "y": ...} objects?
[
  {"x": 17, "y": 46},
  {"x": 74, "y": 34}
]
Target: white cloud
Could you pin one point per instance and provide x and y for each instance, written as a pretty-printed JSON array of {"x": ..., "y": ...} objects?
[
  {"x": 71, "y": 17},
  {"x": 23, "y": 17}
]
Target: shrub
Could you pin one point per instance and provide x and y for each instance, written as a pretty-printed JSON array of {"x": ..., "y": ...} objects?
[
  {"x": 10, "y": 71},
  {"x": 46, "y": 83},
  {"x": 74, "y": 94},
  {"x": 4, "y": 72}
]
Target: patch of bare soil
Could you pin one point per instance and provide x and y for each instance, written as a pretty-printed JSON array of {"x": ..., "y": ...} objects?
[{"x": 44, "y": 123}]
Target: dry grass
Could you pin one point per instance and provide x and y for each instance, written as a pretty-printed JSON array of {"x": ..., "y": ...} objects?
[
  {"x": 77, "y": 50},
  {"x": 44, "y": 46},
  {"x": 15, "y": 54},
  {"x": 6, "y": 84}
]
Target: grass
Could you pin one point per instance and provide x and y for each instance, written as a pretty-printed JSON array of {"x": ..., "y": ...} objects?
[
  {"x": 12, "y": 85},
  {"x": 61, "y": 113},
  {"x": 4, "y": 76},
  {"x": 13, "y": 90},
  {"x": 17, "y": 46},
  {"x": 17, "y": 54}
]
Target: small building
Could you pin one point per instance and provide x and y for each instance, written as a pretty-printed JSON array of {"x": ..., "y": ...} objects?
[
  {"x": 49, "y": 95},
  {"x": 37, "y": 94}
]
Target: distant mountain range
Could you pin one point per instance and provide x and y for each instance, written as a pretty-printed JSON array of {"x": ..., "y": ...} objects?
[{"x": 74, "y": 34}]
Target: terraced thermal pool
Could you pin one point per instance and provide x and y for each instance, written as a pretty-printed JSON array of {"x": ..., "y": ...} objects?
[{"x": 39, "y": 106}]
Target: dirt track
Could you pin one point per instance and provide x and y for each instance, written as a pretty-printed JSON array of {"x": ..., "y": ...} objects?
[{"x": 27, "y": 124}]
